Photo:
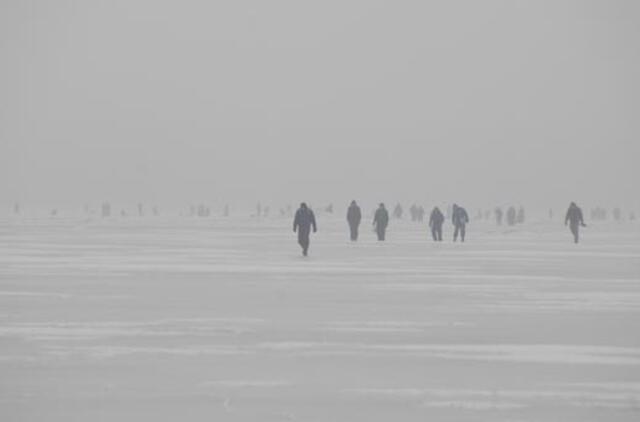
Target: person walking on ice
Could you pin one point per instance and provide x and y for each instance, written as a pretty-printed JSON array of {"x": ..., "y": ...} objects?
[
  {"x": 302, "y": 224},
  {"x": 459, "y": 218},
  {"x": 381, "y": 221},
  {"x": 436, "y": 219},
  {"x": 354, "y": 215},
  {"x": 575, "y": 220}
]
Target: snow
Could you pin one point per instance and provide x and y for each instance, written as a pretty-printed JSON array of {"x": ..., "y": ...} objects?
[{"x": 222, "y": 319}]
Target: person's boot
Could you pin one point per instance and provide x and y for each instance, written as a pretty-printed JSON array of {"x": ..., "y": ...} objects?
[{"x": 304, "y": 251}]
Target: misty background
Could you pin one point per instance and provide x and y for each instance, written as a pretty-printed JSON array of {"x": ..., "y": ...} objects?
[{"x": 173, "y": 102}]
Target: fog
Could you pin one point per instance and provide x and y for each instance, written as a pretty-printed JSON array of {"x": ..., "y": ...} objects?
[{"x": 535, "y": 102}]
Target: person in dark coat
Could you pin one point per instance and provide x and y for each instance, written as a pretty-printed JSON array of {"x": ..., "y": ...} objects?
[
  {"x": 575, "y": 220},
  {"x": 302, "y": 223},
  {"x": 381, "y": 221},
  {"x": 436, "y": 219},
  {"x": 354, "y": 215},
  {"x": 459, "y": 218}
]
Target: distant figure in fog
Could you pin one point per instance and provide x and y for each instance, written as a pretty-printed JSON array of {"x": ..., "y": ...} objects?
[
  {"x": 498, "y": 212},
  {"x": 106, "y": 210},
  {"x": 520, "y": 216},
  {"x": 354, "y": 215},
  {"x": 421, "y": 213},
  {"x": 381, "y": 221},
  {"x": 302, "y": 223},
  {"x": 459, "y": 218},
  {"x": 436, "y": 219},
  {"x": 575, "y": 220},
  {"x": 16, "y": 208},
  {"x": 511, "y": 216},
  {"x": 397, "y": 211},
  {"x": 550, "y": 213},
  {"x": 617, "y": 214}
]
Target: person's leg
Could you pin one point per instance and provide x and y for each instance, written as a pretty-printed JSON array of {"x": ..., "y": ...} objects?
[
  {"x": 455, "y": 233},
  {"x": 434, "y": 233},
  {"x": 303, "y": 240},
  {"x": 383, "y": 231},
  {"x": 574, "y": 231},
  {"x": 462, "y": 232},
  {"x": 440, "y": 233}
]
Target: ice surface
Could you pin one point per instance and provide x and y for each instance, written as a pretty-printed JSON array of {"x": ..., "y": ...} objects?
[{"x": 222, "y": 319}]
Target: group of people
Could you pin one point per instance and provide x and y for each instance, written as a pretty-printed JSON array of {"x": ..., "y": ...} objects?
[
  {"x": 305, "y": 220},
  {"x": 513, "y": 217}
]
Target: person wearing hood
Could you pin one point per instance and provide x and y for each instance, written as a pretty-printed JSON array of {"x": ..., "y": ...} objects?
[
  {"x": 354, "y": 215},
  {"x": 302, "y": 224}
]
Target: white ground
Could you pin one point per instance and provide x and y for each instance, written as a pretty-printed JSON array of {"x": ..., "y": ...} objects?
[{"x": 185, "y": 319}]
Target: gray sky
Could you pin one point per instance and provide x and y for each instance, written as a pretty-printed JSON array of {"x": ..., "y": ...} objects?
[{"x": 476, "y": 101}]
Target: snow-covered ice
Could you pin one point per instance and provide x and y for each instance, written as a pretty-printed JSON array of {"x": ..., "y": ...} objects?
[{"x": 222, "y": 319}]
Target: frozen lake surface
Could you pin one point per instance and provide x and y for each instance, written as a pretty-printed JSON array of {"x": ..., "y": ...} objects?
[{"x": 192, "y": 319}]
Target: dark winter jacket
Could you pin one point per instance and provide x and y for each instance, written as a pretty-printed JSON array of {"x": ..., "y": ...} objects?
[
  {"x": 303, "y": 220},
  {"x": 381, "y": 218},
  {"x": 574, "y": 215},
  {"x": 459, "y": 217},
  {"x": 436, "y": 218},
  {"x": 354, "y": 215}
]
